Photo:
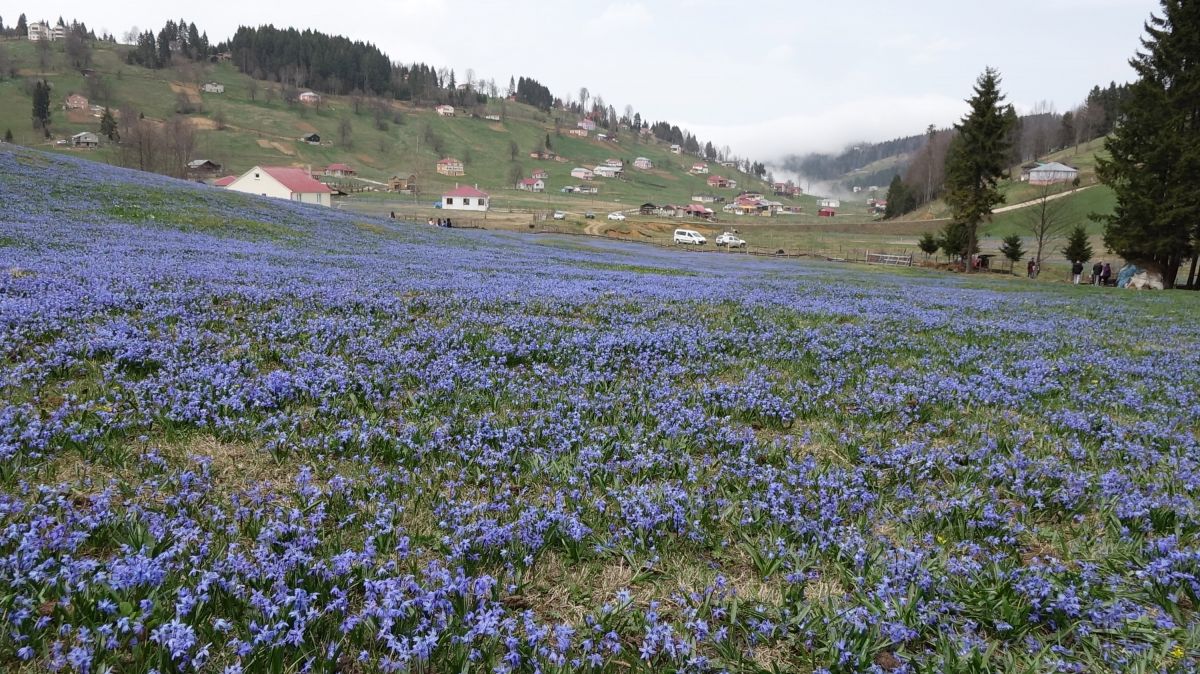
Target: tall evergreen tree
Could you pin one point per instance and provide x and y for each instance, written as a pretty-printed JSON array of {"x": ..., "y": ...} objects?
[
  {"x": 108, "y": 126},
  {"x": 22, "y": 27},
  {"x": 978, "y": 158},
  {"x": 1078, "y": 248},
  {"x": 1155, "y": 151},
  {"x": 41, "y": 105},
  {"x": 1013, "y": 249}
]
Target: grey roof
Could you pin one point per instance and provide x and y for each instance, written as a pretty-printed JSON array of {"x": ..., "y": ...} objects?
[{"x": 1056, "y": 167}]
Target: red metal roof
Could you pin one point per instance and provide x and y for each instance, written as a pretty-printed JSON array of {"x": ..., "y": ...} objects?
[
  {"x": 296, "y": 180},
  {"x": 465, "y": 191},
  {"x": 224, "y": 182}
]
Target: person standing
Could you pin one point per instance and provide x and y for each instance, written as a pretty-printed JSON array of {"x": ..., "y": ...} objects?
[
  {"x": 1105, "y": 274},
  {"x": 1076, "y": 272},
  {"x": 1029, "y": 268},
  {"x": 1096, "y": 269}
]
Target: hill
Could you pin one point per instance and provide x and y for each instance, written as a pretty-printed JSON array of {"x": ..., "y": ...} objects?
[{"x": 250, "y": 124}]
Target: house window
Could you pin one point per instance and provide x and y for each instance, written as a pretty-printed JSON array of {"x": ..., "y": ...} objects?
[
  {"x": 449, "y": 201},
  {"x": 466, "y": 202},
  {"x": 256, "y": 176}
]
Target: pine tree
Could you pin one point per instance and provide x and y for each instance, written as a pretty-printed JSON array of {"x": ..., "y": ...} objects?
[
  {"x": 1078, "y": 249},
  {"x": 928, "y": 244},
  {"x": 1155, "y": 150},
  {"x": 8, "y": 137},
  {"x": 1012, "y": 249},
  {"x": 977, "y": 159},
  {"x": 108, "y": 126},
  {"x": 22, "y": 27},
  {"x": 41, "y": 105}
]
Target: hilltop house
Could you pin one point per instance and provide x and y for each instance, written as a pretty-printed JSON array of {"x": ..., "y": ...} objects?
[
  {"x": 699, "y": 169},
  {"x": 643, "y": 163},
  {"x": 582, "y": 174},
  {"x": 282, "y": 182},
  {"x": 675, "y": 149},
  {"x": 720, "y": 181},
  {"x": 830, "y": 203},
  {"x": 444, "y": 110},
  {"x": 212, "y": 88},
  {"x": 340, "y": 171},
  {"x": 451, "y": 167},
  {"x": 540, "y": 174},
  {"x": 85, "y": 139},
  {"x": 704, "y": 198},
  {"x": 607, "y": 171},
  {"x": 1052, "y": 174},
  {"x": 202, "y": 168},
  {"x": 311, "y": 138},
  {"x": 403, "y": 184},
  {"x": 578, "y": 133},
  {"x": 76, "y": 102},
  {"x": 532, "y": 185},
  {"x": 587, "y": 189},
  {"x": 40, "y": 30},
  {"x": 542, "y": 154},
  {"x": 310, "y": 98},
  {"x": 465, "y": 199},
  {"x": 586, "y": 124}
]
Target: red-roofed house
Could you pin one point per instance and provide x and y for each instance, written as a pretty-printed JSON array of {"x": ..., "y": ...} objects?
[
  {"x": 540, "y": 174},
  {"x": 465, "y": 198},
  {"x": 339, "y": 170},
  {"x": 532, "y": 185},
  {"x": 293, "y": 184},
  {"x": 699, "y": 169},
  {"x": 718, "y": 181},
  {"x": 587, "y": 124},
  {"x": 451, "y": 167},
  {"x": 76, "y": 102},
  {"x": 224, "y": 182}
]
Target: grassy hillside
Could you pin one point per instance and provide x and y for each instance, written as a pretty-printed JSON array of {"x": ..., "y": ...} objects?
[{"x": 261, "y": 129}]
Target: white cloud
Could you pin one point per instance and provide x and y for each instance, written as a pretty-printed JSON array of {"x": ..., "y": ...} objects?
[
  {"x": 626, "y": 14},
  {"x": 831, "y": 128}
]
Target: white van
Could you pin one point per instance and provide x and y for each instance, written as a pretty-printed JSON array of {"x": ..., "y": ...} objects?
[{"x": 689, "y": 237}]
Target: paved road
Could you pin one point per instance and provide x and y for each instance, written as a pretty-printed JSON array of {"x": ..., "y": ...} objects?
[{"x": 1033, "y": 202}]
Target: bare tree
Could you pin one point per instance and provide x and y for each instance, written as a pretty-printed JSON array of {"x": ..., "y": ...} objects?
[
  {"x": 1045, "y": 220},
  {"x": 131, "y": 36},
  {"x": 584, "y": 95},
  {"x": 44, "y": 54},
  {"x": 379, "y": 112},
  {"x": 345, "y": 133},
  {"x": 252, "y": 89}
]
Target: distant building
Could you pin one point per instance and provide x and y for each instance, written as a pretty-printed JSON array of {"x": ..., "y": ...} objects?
[
  {"x": 587, "y": 189},
  {"x": 579, "y": 133},
  {"x": 445, "y": 110},
  {"x": 607, "y": 171},
  {"x": 76, "y": 102},
  {"x": 704, "y": 198},
  {"x": 293, "y": 184},
  {"x": 699, "y": 169},
  {"x": 586, "y": 124},
  {"x": 213, "y": 88},
  {"x": 542, "y": 154},
  {"x": 340, "y": 171},
  {"x": 582, "y": 174},
  {"x": 492, "y": 118},
  {"x": 540, "y": 174},
  {"x": 40, "y": 30},
  {"x": 310, "y": 97},
  {"x": 675, "y": 149},
  {"x": 451, "y": 167},
  {"x": 721, "y": 182},
  {"x": 826, "y": 213},
  {"x": 85, "y": 139},
  {"x": 1052, "y": 174},
  {"x": 532, "y": 185},
  {"x": 465, "y": 199},
  {"x": 224, "y": 182},
  {"x": 311, "y": 138},
  {"x": 830, "y": 203},
  {"x": 402, "y": 184},
  {"x": 203, "y": 168},
  {"x": 643, "y": 164}
]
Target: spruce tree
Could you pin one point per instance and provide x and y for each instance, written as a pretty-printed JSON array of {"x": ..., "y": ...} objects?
[
  {"x": 8, "y": 137},
  {"x": 978, "y": 159},
  {"x": 928, "y": 244},
  {"x": 22, "y": 27},
  {"x": 1012, "y": 249},
  {"x": 1155, "y": 150},
  {"x": 108, "y": 126},
  {"x": 1078, "y": 249},
  {"x": 41, "y": 105}
]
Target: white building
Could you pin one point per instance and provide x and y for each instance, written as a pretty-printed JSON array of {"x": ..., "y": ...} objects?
[
  {"x": 606, "y": 171},
  {"x": 1052, "y": 174},
  {"x": 830, "y": 203},
  {"x": 310, "y": 98},
  {"x": 643, "y": 163},
  {"x": 40, "y": 30},
  {"x": 675, "y": 149},
  {"x": 282, "y": 182},
  {"x": 213, "y": 88},
  {"x": 465, "y": 198},
  {"x": 582, "y": 174},
  {"x": 532, "y": 185},
  {"x": 445, "y": 110}
]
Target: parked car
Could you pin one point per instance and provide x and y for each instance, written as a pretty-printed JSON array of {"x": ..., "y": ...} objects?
[
  {"x": 689, "y": 237},
  {"x": 616, "y": 216},
  {"x": 590, "y": 215},
  {"x": 728, "y": 239},
  {"x": 559, "y": 215}
]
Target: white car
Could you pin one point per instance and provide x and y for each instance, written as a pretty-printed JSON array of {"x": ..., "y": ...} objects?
[
  {"x": 616, "y": 216},
  {"x": 727, "y": 239},
  {"x": 689, "y": 237},
  {"x": 559, "y": 215}
]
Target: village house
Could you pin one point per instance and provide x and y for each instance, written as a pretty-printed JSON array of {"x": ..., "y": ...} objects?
[
  {"x": 213, "y": 88},
  {"x": 85, "y": 139},
  {"x": 830, "y": 203},
  {"x": 76, "y": 102},
  {"x": 340, "y": 171},
  {"x": 532, "y": 185},
  {"x": 586, "y": 124},
  {"x": 451, "y": 167},
  {"x": 465, "y": 198},
  {"x": 614, "y": 162},
  {"x": 676, "y": 149},
  {"x": 540, "y": 174},
  {"x": 202, "y": 168},
  {"x": 444, "y": 110},
  {"x": 492, "y": 118},
  {"x": 582, "y": 174},
  {"x": 607, "y": 171},
  {"x": 293, "y": 184},
  {"x": 826, "y": 213},
  {"x": 699, "y": 169},
  {"x": 587, "y": 189},
  {"x": 698, "y": 211},
  {"x": 310, "y": 97},
  {"x": 542, "y": 154},
  {"x": 647, "y": 209},
  {"x": 643, "y": 164},
  {"x": 40, "y": 30},
  {"x": 721, "y": 181},
  {"x": 1052, "y": 174},
  {"x": 578, "y": 133},
  {"x": 311, "y": 138},
  {"x": 224, "y": 182},
  {"x": 398, "y": 183},
  {"x": 704, "y": 198}
]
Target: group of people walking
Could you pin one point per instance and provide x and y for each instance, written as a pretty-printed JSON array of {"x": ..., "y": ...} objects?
[
  {"x": 1101, "y": 273},
  {"x": 440, "y": 222}
]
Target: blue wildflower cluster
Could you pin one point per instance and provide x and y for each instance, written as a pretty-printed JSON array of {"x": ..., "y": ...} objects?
[{"x": 240, "y": 435}]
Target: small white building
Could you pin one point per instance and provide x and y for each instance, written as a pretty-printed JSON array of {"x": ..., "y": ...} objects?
[
  {"x": 830, "y": 203},
  {"x": 281, "y": 182},
  {"x": 532, "y": 185},
  {"x": 675, "y": 149},
  {"x": 607, "y": 171},
  {"x": 582, "y": 174},
  {"x": 643, "y": 163},
  {"x": 444, "y": 110},
  {"x": 213, "y": 88},
  {"x": 85, "y": 139},
  {"x": 587, "y": 124},
  {"x": 310, "y": 97},
  {"x": 700, "y": 169},
  {"x": 40, "y": 30},
  {"x": 465, "y": 198},
  {"x": 492, "y": 118},
  {"x": 1052, "y": 174}
]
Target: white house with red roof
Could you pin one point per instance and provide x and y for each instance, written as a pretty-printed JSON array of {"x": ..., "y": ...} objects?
[
  {"x": 449, "y": 166},
  {"x": 281, "y": 182},
  {"x": 340, "y": 171},
  {"x": 224, "y": 182},
  {"x": 465, "y": 198},
  {"x": 587, "y": 124},
  {"x": 540, "y": 174},
  {"x": 699, "y": 168},
  {"x": 532, "y": 185}
]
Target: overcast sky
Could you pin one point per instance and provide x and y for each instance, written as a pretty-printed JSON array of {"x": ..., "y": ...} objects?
[{"x": 767, "y": 77}]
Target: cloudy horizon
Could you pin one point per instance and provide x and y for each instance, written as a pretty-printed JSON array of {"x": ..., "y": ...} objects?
[{"x": 768, "y": 78}]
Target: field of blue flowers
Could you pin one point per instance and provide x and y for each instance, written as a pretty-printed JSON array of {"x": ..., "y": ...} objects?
[{"x": 246, "y": 436}]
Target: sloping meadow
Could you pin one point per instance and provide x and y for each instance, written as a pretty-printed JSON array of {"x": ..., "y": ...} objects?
[{"x": 239, "y": 435}]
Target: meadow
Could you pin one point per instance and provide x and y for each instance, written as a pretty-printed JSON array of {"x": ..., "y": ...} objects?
[{"x": 242, "y": 435}]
